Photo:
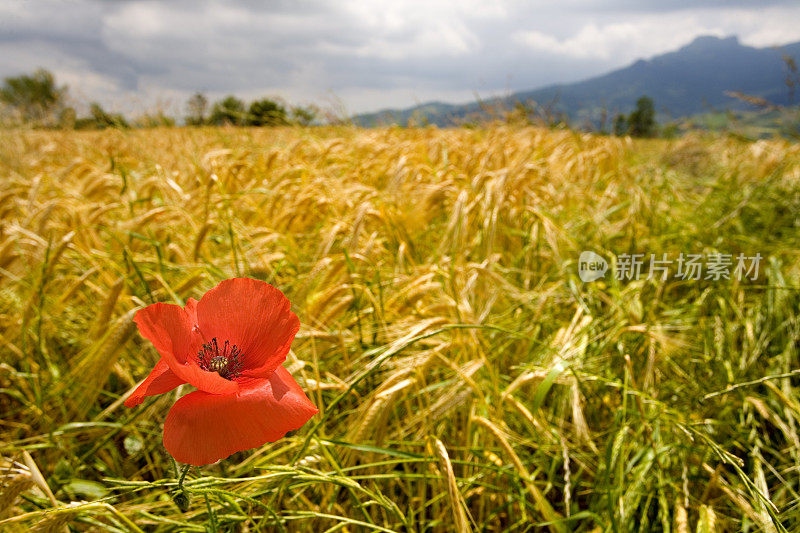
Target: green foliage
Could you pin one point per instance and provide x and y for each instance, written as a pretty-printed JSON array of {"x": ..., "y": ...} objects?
[
  {"x": 642, "y": 120},
  {"x": 760, "y": 124},
  {"x": 35, "y": 99},
  {"x": 262, "y": 112},
  {"x": 101, "y": 119},
  {"x": 792, "y": 79},
  {"x": 266, "y": 112},
  {"x": 620, "y": 125},
  {"x": 670, "y": 130},
  {"x": 158, "y": 119},
  {"x": 304, "y": 115},
  {"x": 228, "y": 112}
]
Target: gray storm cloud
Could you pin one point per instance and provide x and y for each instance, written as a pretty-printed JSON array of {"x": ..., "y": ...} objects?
[{"x": 370, "y": 55}]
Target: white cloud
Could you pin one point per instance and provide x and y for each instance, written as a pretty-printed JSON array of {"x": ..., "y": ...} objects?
[
  {"x": 764, "y": 27},
  {"x": 439, "y": 40},
  {"x": 622, "y": 41}
]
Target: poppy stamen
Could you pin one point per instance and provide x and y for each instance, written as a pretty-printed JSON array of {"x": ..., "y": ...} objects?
[{"x": 226, "y": 362}]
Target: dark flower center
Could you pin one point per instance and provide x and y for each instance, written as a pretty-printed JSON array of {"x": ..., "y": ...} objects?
[{"x": 226, "y": 361}]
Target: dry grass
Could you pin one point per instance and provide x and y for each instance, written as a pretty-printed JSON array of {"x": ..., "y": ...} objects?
[{"x": 466, "y": 378}]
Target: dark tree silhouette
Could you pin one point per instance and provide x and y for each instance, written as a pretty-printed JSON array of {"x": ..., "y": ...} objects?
[
  {"x": 620, "y": 125},
  {"x": 642, "y": 121}
]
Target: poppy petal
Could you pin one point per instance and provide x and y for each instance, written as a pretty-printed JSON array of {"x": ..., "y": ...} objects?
[
  {"x": 206, "y": 381},
  {"x": 203, "y": 428},
  {"x": 191, "y": 308},
  {"x": 171, "y": 330},
  {"x": 254, "y": 316},
  {"x": 160, "y": 380}
]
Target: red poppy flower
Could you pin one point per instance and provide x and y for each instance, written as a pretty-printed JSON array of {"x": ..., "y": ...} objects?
[{"x": 230, "y": 345}]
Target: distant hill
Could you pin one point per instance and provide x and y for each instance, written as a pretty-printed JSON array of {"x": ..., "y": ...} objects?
[{"x": 693, "y": 79}]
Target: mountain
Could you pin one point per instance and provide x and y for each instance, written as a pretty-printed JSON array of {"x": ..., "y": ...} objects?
[{"x": 693, "y": 79}]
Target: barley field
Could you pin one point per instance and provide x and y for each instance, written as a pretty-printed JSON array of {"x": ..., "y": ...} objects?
[{"x": 467, "y": 379}]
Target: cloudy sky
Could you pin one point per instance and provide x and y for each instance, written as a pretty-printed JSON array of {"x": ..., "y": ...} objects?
[{"x": 134, "y": 55}]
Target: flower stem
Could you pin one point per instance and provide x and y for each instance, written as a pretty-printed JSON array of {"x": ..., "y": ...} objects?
[
  {"x": 180, "y": 497},
  {"x": 183, "y": 475}
]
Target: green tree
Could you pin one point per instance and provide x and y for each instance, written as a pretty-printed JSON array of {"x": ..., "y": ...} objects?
[
  {"x": 643, "y": 119},
  {"x": 228, "y": 112},
  {"x": 154, "y": 120},
  {"x": 304, "y": 116},
  {"x": 35, "y": 98},
  {"x": 100, "y": 119},
  {"x": 196, "y": 108},
  {"x": 266, "y": 112},
  {"x": 620, "y": 125}
]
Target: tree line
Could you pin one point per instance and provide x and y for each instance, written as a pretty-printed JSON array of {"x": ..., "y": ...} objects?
[
  {"x": 641, "y": 122},
  {"x": 37, "y": 100}
]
